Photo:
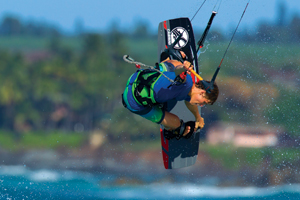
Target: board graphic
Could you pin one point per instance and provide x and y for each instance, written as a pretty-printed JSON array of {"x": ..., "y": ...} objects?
[{"x": 183, "y": 152}]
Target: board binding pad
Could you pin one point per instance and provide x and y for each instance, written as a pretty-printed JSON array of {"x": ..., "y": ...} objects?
[{"x": 183, "y": 152}]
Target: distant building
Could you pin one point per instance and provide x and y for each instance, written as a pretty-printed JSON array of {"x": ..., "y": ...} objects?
[{"x": 243, "y": 136}]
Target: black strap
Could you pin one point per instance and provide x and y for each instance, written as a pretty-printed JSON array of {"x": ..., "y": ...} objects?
[
  {"x": 123, "y": 102},
  {"x": 157, "y": 66},
  {"x": 180, "y": 130},
  {"x": 176, "y": 133},
  {"x": 191, "y": 124},
  {"x": 142, "y": 112},
  {"x": 142, "y": 83}
]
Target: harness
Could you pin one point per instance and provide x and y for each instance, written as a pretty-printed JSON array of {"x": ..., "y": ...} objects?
[
  {"x": 142, "y": 86},
  {"x": 142, "y": 89}
]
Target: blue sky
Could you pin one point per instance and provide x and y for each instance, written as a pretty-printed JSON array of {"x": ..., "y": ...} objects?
[{"x": 99, "y": 14}]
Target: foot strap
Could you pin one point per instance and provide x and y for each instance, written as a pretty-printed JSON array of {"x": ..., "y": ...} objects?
[{"x": 176, "y": 133}]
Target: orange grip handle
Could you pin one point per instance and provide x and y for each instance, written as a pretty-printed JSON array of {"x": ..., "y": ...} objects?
[{"x": 197, "y": 75}]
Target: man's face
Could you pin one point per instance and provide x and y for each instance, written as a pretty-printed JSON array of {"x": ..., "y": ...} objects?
[{"x": 199, "y": 99}]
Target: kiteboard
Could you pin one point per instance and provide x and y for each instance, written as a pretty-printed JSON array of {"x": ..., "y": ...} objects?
[{"x": 183, "y": 152}]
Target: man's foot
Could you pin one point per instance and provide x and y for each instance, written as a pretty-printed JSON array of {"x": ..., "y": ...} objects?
[{"x": 186, "y": 131}]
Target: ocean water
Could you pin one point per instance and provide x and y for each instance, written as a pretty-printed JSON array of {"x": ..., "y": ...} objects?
[{"x": 18, "y": 182}]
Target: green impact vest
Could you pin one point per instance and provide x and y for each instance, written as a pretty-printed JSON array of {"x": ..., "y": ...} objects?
[{"x": 142, "y": 86}]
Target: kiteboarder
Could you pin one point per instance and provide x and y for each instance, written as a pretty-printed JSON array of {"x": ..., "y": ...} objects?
[{"x": 150, "y": 94}]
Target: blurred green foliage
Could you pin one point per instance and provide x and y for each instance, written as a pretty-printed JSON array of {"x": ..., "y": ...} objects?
[
  {"x": 40, "y": 140},
  {"x": 50, "y": 82},
  {"x": 53, "y": 140}
]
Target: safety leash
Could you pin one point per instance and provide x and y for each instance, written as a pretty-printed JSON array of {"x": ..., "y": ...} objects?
[{"x": 138, "y": 65}]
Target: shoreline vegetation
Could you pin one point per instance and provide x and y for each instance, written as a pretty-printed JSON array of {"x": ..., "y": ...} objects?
[{"x": 233, "y": 166}]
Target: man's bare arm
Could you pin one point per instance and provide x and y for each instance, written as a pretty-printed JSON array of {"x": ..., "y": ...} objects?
[{"x": 194, "y": 109}]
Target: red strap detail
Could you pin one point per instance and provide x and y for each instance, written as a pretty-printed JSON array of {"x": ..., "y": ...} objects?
[
  {"x": 137, "y": 66},
  {"x": 165, "y": 149},
  {"x": 194, "y": 78},
  {"x": 164, "y": 142},
  {"x": 166, "y": 159},
  {"x": 165, "y": 25},
  {"x": 183, "y": 75}
]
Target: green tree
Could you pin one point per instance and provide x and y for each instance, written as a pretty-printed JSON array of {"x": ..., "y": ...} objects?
[
  {"x": 13, "y": 77},
  {"x": 284, "y": 110}
]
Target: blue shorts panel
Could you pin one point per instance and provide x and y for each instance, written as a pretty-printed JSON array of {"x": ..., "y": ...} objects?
[{"x": 156, "y": 114}]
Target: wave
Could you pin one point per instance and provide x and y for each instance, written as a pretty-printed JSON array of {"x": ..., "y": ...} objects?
[
  {"x": 45, "y": 176},
  {"x": 42, "y": 175},
  {"x": 192, "y": 191},
  {"x": 13, "y": 170},
  {"x": 97, "y": 185}
]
